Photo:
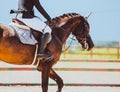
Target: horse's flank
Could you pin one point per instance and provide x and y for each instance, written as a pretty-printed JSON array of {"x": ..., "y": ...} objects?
[{"x": 12, "y": 50}]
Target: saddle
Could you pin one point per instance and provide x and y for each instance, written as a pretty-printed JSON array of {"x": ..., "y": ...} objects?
[{"x": 26, "y": 34}]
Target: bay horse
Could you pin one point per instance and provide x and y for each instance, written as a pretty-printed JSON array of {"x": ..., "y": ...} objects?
[{"x": 12, "y": 51}]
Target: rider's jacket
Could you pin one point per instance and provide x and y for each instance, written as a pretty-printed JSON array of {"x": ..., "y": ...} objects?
[{"x": 27, "y": 7}]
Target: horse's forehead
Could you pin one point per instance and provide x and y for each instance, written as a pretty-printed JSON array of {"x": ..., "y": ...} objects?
[{"x": 87, "y": 26}]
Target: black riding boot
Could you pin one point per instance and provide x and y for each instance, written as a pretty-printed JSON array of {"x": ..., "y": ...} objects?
[{"x": 41, "y": 47}]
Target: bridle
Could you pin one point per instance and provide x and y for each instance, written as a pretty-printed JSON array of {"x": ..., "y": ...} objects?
[
  {"x": 82, "y": 39},
  {"x": 83, "y": 33}
]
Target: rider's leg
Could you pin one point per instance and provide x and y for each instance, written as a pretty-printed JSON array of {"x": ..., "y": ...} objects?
[
  {"x": 46, "y": 38},
  {"x": 41, "y": 46}
]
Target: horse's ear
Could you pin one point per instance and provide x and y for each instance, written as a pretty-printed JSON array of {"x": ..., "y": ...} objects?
[{"x": 88, "y": 15}]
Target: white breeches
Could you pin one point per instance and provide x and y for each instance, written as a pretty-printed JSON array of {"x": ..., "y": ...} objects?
[{"x": 36, "y": 24}]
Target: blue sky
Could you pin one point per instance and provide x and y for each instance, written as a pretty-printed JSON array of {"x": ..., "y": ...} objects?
[{"x": 104, "y": 21}]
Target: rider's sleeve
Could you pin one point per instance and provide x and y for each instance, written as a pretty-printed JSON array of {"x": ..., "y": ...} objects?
[{"x": 41, "y": 10}]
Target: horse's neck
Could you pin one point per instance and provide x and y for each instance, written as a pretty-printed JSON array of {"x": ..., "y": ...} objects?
[
  {"x": 65, "y": 30},
  {"x": 60, "y": 20}
]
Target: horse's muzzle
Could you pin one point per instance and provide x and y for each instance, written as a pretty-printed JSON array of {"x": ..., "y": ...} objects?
[{"x": 90, "y": 42}]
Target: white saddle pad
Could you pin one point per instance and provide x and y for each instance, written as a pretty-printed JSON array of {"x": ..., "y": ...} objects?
[{"x": 25, "y": 36}]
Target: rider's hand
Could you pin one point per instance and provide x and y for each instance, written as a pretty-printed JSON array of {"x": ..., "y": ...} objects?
[
  {"x": 49, "y": 20},
  {"x": 11, "y": 11}
]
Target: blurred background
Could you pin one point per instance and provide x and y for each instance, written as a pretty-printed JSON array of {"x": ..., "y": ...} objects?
[{"x": 97, "y": 70}]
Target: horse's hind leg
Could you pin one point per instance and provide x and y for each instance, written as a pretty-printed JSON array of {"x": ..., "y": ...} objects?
[{"x": 53, "y": 75}]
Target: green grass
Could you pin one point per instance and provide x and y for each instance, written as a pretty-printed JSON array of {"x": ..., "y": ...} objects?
[{"x": 95, "y": 53}]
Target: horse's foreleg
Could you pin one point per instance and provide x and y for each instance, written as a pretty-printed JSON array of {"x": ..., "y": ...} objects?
[
  {"x": 45, "y": 76},
  {"x": 53, "y": 75}
]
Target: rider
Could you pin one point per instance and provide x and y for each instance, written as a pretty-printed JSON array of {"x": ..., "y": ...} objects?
[{"x": 28, "y": 17}]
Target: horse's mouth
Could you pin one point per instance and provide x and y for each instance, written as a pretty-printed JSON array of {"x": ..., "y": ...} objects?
[
  {"x": 88, "y": 44},
  {"x": 87, "y": 47}
]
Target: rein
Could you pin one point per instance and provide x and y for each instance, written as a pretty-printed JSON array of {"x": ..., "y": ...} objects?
[
  {"x": 65, "y": 43},
  {"x": 69, "y": 45}
]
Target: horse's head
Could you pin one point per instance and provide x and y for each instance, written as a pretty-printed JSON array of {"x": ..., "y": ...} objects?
[
  {"x": 81, "y": 32},
  {"x": 75, "y": 23}
]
